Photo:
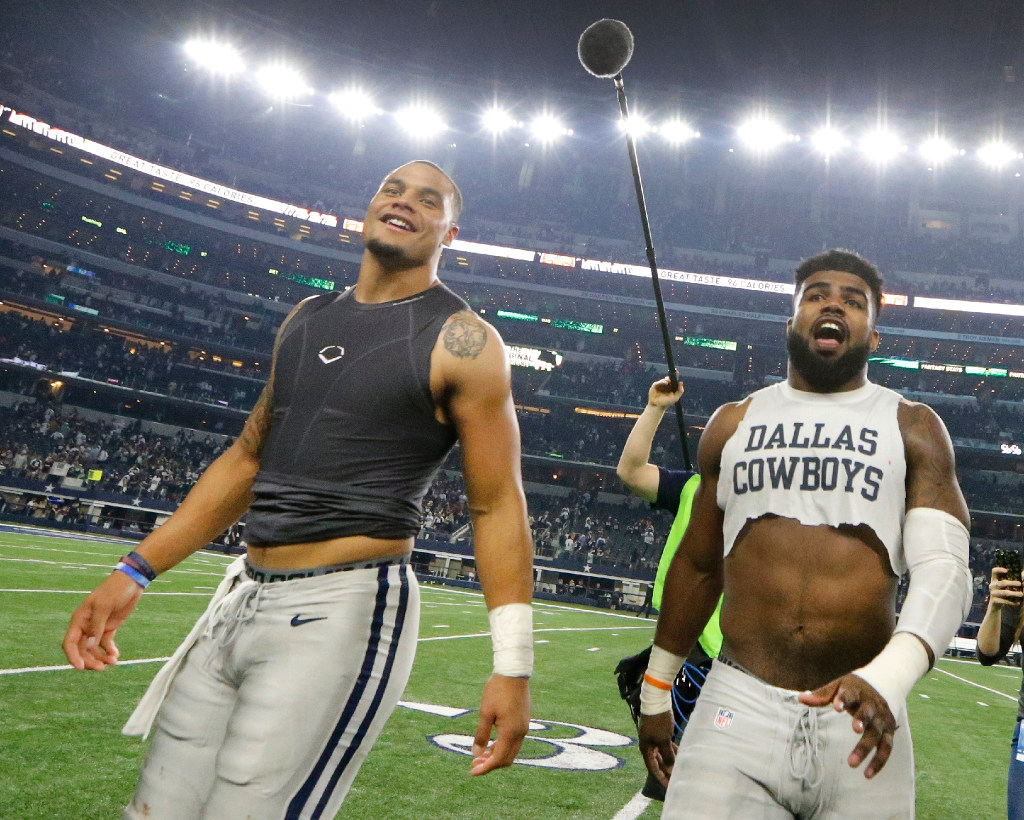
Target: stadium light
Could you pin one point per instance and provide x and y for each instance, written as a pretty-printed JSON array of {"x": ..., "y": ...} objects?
[
  {"x": 762, "y": 134},
  {"x": 997, "y": 153},
  {"x": 937, "y": 150},
  {"x": 420, "y": 121},
  {"x": 497, "y": 120},
  {"x": 829, "y": 141},
  {"x": 675, "y": 131},
  {"x": 547, "y": 128},
  {"x": 282, "y": 81},
  {"x": 637, "y": 126},
  {"x": 355, "y": 104},
  {"x": 881, "y": 146},
  {"x": 217, "y": 58}
]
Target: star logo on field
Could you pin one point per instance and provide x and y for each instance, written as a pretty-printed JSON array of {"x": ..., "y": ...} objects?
[{"x": 331, "y": 354}]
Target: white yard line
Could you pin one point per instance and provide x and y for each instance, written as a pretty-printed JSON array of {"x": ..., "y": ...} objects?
[
  {"x": 457, "y": 603},
  {"x": 105, "y": 566},
  {"x": 634, "y": 808},
  {"x": 25, "y": 669},
  {"x": 545, "y": 605},
  {"x": 149, "y": 594},
  {"x": 426, "y": 589},
  {"x": 33, "y": 548},
  {"x": 972, "y": 683},
  {"x": 545, "y": 629},
  {"x": 21, "y": 529},
  {"x": 37, "y": 548}
]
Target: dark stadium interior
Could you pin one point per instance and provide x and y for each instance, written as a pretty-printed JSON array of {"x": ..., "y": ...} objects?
[{"x": 137, "y": 314}]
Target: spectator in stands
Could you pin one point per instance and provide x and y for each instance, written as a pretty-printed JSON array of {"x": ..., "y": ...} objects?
[
  {"x": 1000, "y": 629},
  {"x": 134, "y": 462}
]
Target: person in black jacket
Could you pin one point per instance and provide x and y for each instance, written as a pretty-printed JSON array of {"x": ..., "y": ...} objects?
[{"x": 999, "y": 630}]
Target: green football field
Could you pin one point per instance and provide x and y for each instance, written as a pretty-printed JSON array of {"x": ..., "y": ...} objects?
[{"x": 62, "y": 755}]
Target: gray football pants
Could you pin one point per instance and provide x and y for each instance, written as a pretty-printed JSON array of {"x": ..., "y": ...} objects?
[
  {"x": 277, "y": 706},
  {"x": 752, "y": 751}
]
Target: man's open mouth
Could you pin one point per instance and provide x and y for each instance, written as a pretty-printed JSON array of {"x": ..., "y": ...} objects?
[{"x": 828, "y": 334}]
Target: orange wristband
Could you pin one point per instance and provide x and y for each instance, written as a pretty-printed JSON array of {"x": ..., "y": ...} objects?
[{"x": 660, "y": 684}]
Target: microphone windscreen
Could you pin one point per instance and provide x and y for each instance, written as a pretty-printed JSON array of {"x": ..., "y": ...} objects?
[{"x": 605, "y": 47}]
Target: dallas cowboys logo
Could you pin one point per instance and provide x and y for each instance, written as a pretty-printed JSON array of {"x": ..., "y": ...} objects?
[{"x": 331, "y": 353}]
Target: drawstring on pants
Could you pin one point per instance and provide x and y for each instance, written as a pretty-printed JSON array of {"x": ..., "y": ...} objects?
[
  {"x": 804, "y": 749},
  {"x": 234, "y": 609}
]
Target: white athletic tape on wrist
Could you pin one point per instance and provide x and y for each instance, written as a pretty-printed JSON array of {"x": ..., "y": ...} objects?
[
  {"x": 656, "y": 689},
  {"x": 936, "y": 546},
  {"x": 896, "y": 669},
  {"x": 512, "y": 639}
]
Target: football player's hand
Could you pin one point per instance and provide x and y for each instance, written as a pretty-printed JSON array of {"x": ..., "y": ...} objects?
[
  {"x": 505, "y": 706},
  {"x": 89, "y": 641},
  {"x": 872, "y": 718},
  {"x": 656, "y": 746}
]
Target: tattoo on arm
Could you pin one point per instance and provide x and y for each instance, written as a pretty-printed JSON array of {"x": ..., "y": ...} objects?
[
  {"x": 257, "y": 426},
  {"x": 465, "y": 336}
]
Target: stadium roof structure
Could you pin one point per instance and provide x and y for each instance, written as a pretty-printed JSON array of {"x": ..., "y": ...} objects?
[{"x": 957, "y": 61}]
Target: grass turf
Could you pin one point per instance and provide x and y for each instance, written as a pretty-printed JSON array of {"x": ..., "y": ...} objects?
[{"x": 63, "y": 756}]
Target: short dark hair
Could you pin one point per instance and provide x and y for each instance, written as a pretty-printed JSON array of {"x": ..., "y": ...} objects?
[
  {"x": 457, "y": 198},
  {"x": 847, "y": 262}
]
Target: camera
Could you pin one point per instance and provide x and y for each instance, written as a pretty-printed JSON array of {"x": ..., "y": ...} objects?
[{"x": 1010, "y": 559}]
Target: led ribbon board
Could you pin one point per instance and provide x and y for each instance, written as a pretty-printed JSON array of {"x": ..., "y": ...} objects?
[
  {"x": 542, "y": 360},
  {"x": 712, "y": 344},
  {"x": 59, "y": 135},
  {"x": 941, "y": 367}
]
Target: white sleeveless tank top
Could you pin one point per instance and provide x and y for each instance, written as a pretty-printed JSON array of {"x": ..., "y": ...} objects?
[{"x": 819, "y": 458}]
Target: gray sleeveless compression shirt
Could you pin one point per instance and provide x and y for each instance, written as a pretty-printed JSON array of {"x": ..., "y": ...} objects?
[{"x": 354, "y": 444}]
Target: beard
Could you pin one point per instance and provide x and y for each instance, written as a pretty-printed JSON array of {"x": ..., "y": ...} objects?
[
  {"x": 825, "y": 375},
  {"x": 390, "y": 256}
]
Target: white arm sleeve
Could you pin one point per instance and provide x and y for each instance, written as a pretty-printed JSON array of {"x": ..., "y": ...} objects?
[{"x": 936, "y": 547}]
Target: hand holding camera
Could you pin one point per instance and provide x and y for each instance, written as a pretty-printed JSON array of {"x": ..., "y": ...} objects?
[{"x": 1005, "y": 584}]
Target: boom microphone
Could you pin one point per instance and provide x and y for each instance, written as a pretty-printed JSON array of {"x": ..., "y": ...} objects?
[{"x": 604, "y": 49}]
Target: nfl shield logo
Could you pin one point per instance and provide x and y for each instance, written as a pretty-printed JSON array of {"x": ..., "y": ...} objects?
[{"x": 723, "y": 720}]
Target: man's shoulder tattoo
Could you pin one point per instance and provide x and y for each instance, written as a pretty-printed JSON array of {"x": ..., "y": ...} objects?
[{"x": 464, "y": 336}]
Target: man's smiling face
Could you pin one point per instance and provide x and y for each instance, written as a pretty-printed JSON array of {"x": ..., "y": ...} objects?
[{"x": 411, "y": 217}]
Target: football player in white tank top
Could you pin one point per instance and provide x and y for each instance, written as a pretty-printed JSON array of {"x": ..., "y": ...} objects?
[{"x": 815, "y": 667}]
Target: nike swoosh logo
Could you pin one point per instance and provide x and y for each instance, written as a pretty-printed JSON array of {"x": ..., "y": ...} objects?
[{"x": 298, "y": 620}]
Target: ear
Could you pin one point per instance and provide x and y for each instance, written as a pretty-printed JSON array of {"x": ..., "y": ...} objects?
[
  {"x": 873, "y": 342},
  {"x": 789, "y": 324},
  {"x": 453, "y": 231}
]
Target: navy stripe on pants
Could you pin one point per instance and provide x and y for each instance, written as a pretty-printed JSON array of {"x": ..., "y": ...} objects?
[{"x": 301, "y": 798}]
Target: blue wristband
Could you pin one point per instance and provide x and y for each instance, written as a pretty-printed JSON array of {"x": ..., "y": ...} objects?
[
  {"x": 133, "y": 559},
  {"x": 132, "y": 573}
]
